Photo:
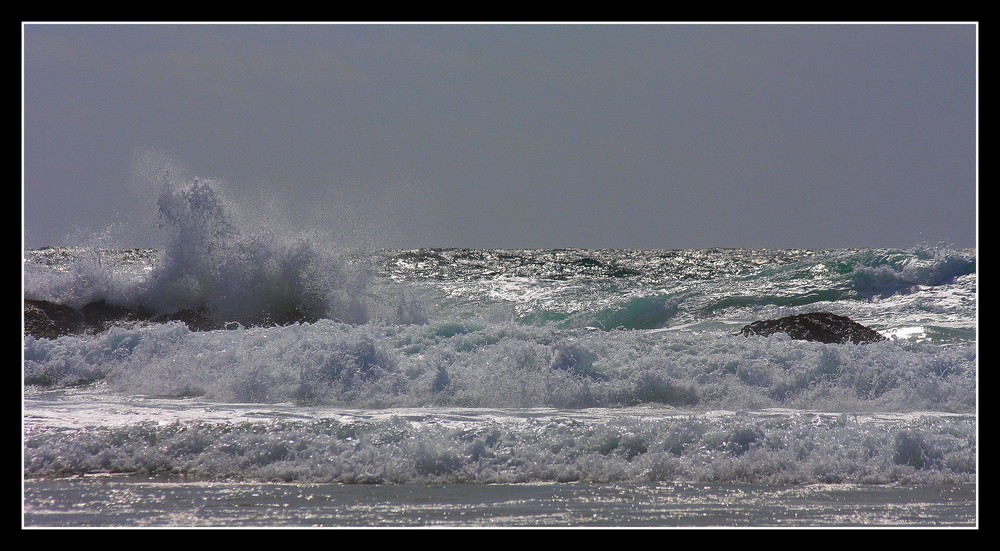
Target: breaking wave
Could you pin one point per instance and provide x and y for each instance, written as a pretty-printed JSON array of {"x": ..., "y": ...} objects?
[
  {"x": 499, "y": 365},
  {"x": 529, "y": 446},
  {"x": 216, "y": 263}
]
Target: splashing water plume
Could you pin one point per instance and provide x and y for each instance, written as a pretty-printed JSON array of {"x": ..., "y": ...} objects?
[{"x": 213, "y": 262}]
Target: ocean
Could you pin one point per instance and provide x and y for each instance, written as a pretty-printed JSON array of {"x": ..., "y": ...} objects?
[{"x": 494, "y": 388}]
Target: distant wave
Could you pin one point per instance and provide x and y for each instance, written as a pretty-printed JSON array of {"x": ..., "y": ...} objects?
[{"x": 887, "y": 274}]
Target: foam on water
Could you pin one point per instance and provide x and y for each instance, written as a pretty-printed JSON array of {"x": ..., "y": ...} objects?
[
  {"x": 504, "y": 365},
  {"x": 708, "y": 289},
  {"x": 485, "y": 446}
]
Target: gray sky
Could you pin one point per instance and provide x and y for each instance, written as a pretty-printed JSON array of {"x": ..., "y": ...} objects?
[{"x": 621, "y": 136}]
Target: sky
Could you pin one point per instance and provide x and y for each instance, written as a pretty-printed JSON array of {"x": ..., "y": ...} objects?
[{"x": 658, "y": 136}]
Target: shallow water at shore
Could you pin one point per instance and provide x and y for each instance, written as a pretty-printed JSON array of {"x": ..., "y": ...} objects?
[{"x": 137, "y": 502}]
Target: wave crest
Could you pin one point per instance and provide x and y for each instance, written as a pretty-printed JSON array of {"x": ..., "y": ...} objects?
[
  {"x": 217, "y": 263},
  {"x": 888, "y": 274},
  {"x": 377, "y": 365}
]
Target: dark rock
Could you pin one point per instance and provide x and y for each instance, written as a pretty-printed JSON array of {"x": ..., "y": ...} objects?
[
  {"x": 99, "y": 316},
  {"x": 816, "y": 326},
  {"x": 196, "y": 320},
  {"x": 290, "y": 318},
  {"x": 48, "y": 320}
]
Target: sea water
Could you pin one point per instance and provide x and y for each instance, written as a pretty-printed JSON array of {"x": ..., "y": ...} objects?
[{"x": 466, "y": 388}]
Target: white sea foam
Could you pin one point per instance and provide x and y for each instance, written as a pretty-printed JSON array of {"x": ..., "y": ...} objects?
[
  {"x": 500, "y": 365},
  {"x": 503, "y": 446}
]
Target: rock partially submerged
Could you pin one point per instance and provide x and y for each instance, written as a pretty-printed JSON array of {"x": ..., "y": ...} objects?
[
  {"x": 50, "y": 320},
  {"x": 816, "y": 326}
]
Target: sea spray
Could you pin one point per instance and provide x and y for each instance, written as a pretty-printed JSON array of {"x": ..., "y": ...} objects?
[
  {"x": 253, "y": 277},
  {"x": 213, "y": 262}
]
